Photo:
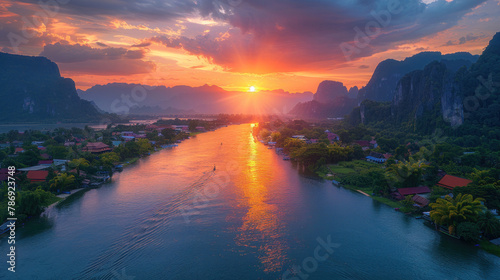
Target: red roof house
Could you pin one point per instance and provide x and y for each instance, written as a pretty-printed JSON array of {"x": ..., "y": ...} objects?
[
  {"x": 451, "y": 182},
  {"x": 37, "y": 175},
  {"x": 420, "y": 200},
  {"x": 413, "y": 191},
  {"x": 19, "y": 150},
  {"x": 363, "y": 143}
]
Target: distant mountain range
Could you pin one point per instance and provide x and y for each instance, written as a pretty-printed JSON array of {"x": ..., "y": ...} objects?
[
  {"x": 333, "y": 100},
  {"x": 32, "y": 90},
  {"x": 438, "y": 94},
  {"x": 123, "y": 98},
  {"x": 425, "y": 88}
]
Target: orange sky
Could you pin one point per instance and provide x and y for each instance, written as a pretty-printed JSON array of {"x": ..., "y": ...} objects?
[{"x": 236, "y": 44}]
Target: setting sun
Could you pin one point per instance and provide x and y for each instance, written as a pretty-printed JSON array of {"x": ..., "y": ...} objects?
[{"x": 251, "y": 89}]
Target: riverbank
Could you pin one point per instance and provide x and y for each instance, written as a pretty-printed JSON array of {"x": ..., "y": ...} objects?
[{"x": 328, "y": 173}]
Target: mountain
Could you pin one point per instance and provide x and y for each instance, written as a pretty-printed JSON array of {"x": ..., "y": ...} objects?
[
  {"x": 331, "y": 100},
  {"x": 442, "y": 95},
  {"x": 33, "y": 90},
  {"x": 427, "y": 96},
  {"x": 124, "y": 98},
  {"x": 328, "y": 91},
  {"x": 387, "y": 74}
]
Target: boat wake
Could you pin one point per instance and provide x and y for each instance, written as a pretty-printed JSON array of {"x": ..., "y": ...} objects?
[{"x": 142, "y": 232}]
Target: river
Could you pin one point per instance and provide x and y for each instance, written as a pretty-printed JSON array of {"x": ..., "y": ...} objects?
[{"x": 170, "y": 216}]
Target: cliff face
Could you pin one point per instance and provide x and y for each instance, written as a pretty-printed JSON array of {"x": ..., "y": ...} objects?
[
  {"x": 382, "y": 85},
  {"x": 331, "y": 100},
  {"x": 33, "y": 90},
  {"x": 428, "y": 94},
  {"x": 328, "y": 91}
]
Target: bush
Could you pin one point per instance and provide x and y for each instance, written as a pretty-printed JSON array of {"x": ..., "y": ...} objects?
[{"x": 469, "y": 232}]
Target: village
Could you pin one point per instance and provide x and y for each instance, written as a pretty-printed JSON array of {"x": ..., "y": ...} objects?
[{"x": 52, "y": 165}]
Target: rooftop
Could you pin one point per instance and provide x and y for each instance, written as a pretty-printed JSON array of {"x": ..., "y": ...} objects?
[{"x": 451, "y": 182}]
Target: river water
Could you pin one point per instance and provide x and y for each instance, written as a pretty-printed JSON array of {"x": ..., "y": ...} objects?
[{"x": 170, "y": 216}]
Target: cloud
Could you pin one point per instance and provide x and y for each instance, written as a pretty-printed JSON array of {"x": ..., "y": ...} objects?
[
  {"x": 67, "y": 53},
  {"x": 121, "y": 67},
  {"x": 465, "y": 39},
  {"x": 296, "y": 35},
  {"x": 364, "y": 67},
  {"x": 84, "y": 59},
  {"x": 251, "y": 36}
]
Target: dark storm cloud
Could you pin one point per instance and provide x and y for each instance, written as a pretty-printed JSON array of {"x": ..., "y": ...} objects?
[{"x": 77, "y": 53}]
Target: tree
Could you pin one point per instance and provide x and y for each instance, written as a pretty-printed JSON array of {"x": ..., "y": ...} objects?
[
  {"x": 489, "y": 225},
  {"x": 79, "y": 163},
  {"x": 406, "y": 173},
  {"x": 292, "y": 144},
  {"x": 468, "y": 231},
  {"x": 109, "y": 158},
  {"x": 62, "y": 182},
  {"x": 59, "y": 152},
  {"x": 264, "y": 134},
  {"x": 192, "y": 124},
  {"x": 452, "y": 211},
  {"x": 144, "y": 146}
]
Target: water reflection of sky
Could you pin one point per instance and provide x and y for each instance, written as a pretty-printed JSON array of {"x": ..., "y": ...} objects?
[{"x": 261, "y": 227}]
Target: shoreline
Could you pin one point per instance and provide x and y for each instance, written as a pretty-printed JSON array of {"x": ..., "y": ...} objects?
[{"x": 125, "y": 164}]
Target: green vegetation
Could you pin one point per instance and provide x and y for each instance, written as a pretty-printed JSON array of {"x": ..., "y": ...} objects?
[{"x": 78, "y": 164}]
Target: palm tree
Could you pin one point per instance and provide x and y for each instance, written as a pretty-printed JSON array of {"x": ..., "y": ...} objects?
[
  {"x": 489, "y": 225},
  {"x": 452, "y": 211},
  {"x": 62, "y": 182}
]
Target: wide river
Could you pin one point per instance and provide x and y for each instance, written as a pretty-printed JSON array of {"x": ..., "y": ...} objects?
[{"x": 170, "y": 216}]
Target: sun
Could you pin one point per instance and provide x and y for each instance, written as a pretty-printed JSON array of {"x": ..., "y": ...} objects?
[{"x": 252, "y": 89}]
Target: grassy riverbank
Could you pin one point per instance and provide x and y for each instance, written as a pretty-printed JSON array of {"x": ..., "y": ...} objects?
[{"x": 490, "y": 247}]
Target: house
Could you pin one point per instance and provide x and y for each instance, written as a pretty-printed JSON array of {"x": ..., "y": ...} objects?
[
  {"x": 402, "y": 192},
  {"x": 200, "y": 129},
  {"x": 69, "y": 143},
  {"x": 37, "y": 143},
  {"x": 373, "y": 144},
  {"x": 37, "y": 175},
  {"x": 45, "y": 162},
  {"x": 332, "y": 136},
  {"x": 376, "y": 157},
  {"x": 18, "y": 150},
  {"x": 420, "y": 200},
  {"x": 128, "y": 138},
  {"x": 42, "y": 148},
  {"x": 451, "y": 182},
  {"x": 97, "y": 148},
  {"x": 127, "y": 133},
  {"x": 414, "y": 191},
  {"x": 312, "y": 141},
  {"x": 300, "y": 137}
]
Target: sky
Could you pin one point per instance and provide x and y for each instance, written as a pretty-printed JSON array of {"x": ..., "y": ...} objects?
[{"x": 280, "y": 44}]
